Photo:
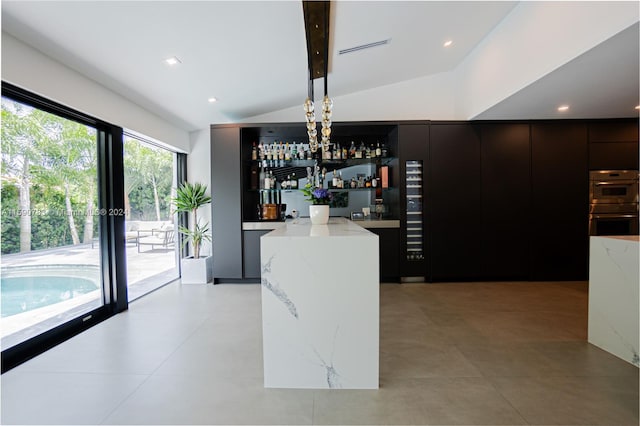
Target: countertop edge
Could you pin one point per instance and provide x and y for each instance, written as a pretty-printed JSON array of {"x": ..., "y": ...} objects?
[{"x": 367, "y": 224}]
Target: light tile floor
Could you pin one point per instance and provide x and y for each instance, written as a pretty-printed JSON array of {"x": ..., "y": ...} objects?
[{"x": 456, "y": 353}]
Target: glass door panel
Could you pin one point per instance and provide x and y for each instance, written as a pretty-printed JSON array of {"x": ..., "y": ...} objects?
[
  {"x": 415, "y": 234},
  {"x": 50, "y": 263}
]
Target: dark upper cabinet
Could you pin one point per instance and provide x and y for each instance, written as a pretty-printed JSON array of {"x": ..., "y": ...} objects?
[
  {"x": 413, "y": 151},
  {"x": 613, "y": 145},
  {"x": 560, "y": 201},
  {"x": 226, "y": 190},
  {"x": 506, "y": 200},
  {"x": 454, "y": 178}
]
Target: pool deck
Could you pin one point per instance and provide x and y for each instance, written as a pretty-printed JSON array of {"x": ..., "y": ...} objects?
[{"x": 144, "y": 271}]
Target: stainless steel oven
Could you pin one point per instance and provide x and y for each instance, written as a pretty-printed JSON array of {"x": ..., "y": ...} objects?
[
  {"x": 613, "y": 196},
  {"x": 613, "y": 187}
]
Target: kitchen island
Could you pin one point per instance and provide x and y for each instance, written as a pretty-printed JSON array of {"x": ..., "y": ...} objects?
[
  {"x": 613, "y": 296},
  {"x": 320, "y": 306}
]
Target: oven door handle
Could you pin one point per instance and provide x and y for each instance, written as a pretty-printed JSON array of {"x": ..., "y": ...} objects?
[
  {"x": 619, "y": 183},
  {"x": 614, "y": 216}
]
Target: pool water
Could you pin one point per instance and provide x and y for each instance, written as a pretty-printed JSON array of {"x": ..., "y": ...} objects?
[{"x": 22, "y": 294}]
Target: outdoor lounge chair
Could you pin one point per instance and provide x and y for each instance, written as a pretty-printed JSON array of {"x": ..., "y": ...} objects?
[{"x": 164, "y": 238}]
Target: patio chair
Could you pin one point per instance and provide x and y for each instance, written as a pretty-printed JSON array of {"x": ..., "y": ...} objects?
[{"x": 160, "y": 237}]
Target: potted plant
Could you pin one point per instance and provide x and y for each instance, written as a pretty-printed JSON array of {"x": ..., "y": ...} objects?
[
  {"x": 189, "y": 198},
  {"x": 320, "y": 199}
]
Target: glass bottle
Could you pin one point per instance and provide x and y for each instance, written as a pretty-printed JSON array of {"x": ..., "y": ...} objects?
[
  {"x": 254, "y": 152},
  {"x": 287, "y": 153},
  {"x": 352, "y": 150},
  {"x": 294, "y": 181},
  {"x": 378, "y": 150}
]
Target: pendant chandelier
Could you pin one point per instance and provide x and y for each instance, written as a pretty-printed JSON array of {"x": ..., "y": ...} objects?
[{"x": 316, "y": 19}]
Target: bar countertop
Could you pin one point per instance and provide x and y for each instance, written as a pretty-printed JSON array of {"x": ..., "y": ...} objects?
[
  {"x": 368, "y": 224},
  {"x": 302, "y": 227}
]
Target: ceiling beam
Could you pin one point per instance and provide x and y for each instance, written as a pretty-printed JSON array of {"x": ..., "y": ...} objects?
[{"x": 316, "y": 23}]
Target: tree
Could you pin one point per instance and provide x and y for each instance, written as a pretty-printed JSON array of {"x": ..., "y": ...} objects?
[{"x": 21, "y": 131}]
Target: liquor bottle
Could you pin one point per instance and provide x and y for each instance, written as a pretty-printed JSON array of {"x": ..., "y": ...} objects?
[
  {"x": 266, "y": 183},
  {"x": 254, "y": 152},
  {"x": 378, "y": 150},
  {"x": 294, "y": 181},
  {"x": 352, "y": 150},
  {"x": 301, "y": 153},
  {"x": 359, "y": 151},
  {"x": 281, "y": 152},
  {"x": 337, "y": 152},
  {"x": 261, "y": 178},
  {"x": 385, "y": 151},
  {"x": 340, "y": 181},
  {"x": 334, "y": 181},
  {"x": 287, "y": 153},
  {"x": 269, "y": 153},
  {"x": 374, "y": 182},
  {"x": 261, "y": 151},
  {"x": 367, "y": 153},
  {"x": 345, "y": 154},
  {"x": 294, "y": 151}
]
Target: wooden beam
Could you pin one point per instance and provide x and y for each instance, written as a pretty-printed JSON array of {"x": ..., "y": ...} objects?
[{"x": 316, "y": 23}]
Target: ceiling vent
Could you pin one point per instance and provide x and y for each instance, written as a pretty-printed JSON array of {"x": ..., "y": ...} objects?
[{"x": 364, "y": 46}]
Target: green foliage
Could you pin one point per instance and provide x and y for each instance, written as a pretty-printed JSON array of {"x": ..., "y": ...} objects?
[
  {"x": 9, "y": 221},
  {"x": 189, "y": 197}
]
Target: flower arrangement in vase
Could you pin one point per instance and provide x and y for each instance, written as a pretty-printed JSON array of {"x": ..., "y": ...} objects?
[{"x": 320, "y": 199}]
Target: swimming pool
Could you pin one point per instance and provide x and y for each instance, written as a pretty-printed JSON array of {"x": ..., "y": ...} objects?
[{"x": 25, "y": 288}]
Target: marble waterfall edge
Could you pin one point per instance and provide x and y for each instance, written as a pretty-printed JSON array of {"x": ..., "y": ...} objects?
[
  {"x": 320, "y": 307},
  {"x": 614, "y": 282}
]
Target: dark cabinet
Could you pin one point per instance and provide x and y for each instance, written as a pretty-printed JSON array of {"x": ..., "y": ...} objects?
[
  {"x": 226, "y": 190},
  {"x": 454, "y": 201},
  {"x": 389, "y": 246},
  {"x": 613, "y": 145},
  {"x": 506, "y": 200},
  {"x": 251, "y": 253},
  {"x": 560, "y": 201}
]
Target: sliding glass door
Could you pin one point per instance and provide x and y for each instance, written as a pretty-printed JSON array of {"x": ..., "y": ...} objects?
[
  {"x": 150, "y": 229},
  {"x": 51, "y": 251}
]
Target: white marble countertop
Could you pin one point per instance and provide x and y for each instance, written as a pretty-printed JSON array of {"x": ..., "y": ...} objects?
[
  {"x": 301, "y": 227},
  {"x": 369, "y": 223}
]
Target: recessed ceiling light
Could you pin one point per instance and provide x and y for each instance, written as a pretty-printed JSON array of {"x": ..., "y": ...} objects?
[
  {"x": 212, "y": 100},
  {"x": 172, "y": 61},
  {"x": 563, "y": 108},
  {"x": 448, "y": 43}
]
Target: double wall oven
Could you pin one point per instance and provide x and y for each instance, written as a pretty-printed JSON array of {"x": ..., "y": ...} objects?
[{"x": 613, "y": 197}]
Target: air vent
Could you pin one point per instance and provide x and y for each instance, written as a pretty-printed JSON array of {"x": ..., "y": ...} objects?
[{"x": 364, "y": 46}]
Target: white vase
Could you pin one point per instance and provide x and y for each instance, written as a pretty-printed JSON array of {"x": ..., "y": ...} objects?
[{"x": 319, "y": 214}]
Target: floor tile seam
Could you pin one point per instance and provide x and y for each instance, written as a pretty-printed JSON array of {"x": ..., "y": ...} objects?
[
  {"x": 180, "y": 345},
  {"x": 505, "y": 399},
  {"x": 123, "y": 400}
]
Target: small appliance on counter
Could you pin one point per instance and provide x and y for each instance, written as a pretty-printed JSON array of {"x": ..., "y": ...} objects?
[{"x": 271, "y": 211}]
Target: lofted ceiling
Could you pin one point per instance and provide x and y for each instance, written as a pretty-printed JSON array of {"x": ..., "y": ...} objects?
[{"x": 251, "y": 55}]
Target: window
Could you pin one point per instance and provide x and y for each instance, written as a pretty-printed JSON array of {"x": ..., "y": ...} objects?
[
  {"x": 150, "y": 229},
  {"x": 51, "y": 260}
]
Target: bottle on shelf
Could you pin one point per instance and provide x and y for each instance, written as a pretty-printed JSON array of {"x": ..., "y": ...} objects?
[
  {"x": 294, "y": 181},
  {"x": 301, "y": 153},
  {"x": 334, "y": 181},
  {"x": 294, "y": 151},
  {"x": 378, "y": 150},
  {"x": 367, "y": 153},
  {"x": 254, "y": 152},
  {"x": 287, "y": 153},
  {"x": 352, "y": 150}
]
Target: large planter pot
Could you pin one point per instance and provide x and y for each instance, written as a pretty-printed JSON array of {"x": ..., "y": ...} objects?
[
  {"x": 196, "y": 271},
  {"x": 319, "y": 214}
]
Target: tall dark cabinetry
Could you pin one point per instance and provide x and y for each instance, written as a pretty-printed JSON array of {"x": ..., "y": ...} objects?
[
  {"x": 454, "y": 180},
  {"x": 560, "y": 201},
  {"x": 226, "y": 185},
  {"x": 506, "y": 200}
]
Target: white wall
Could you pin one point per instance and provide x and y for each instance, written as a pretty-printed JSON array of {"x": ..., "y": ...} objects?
[
  {"x": 199, "y": 170},
  {"x": 533, "y": 40},
  {"x": 30, "y": 69},
  {"x": 424, "y": 98}
]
